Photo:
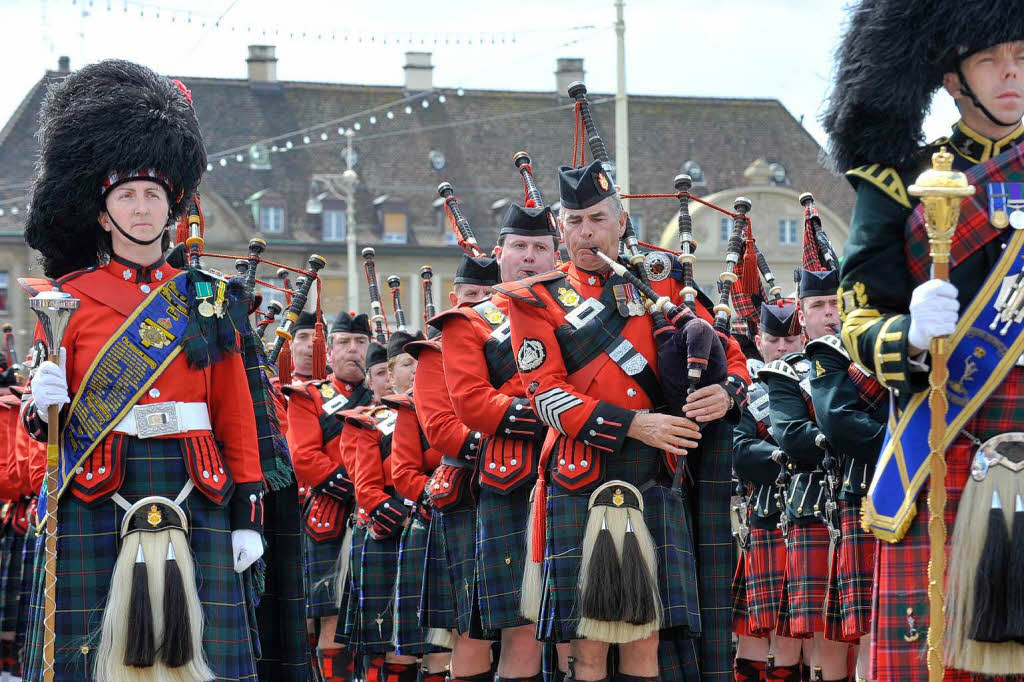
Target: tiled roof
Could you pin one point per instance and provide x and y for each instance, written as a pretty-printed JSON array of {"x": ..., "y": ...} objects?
[{"x": 723, "y": 135}]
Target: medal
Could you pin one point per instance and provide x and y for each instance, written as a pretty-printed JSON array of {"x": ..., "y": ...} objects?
[
  {"x": 628, "y": 301},
  {"x": 204, "y": 292},
  {"x": 1006, "y": 204}
]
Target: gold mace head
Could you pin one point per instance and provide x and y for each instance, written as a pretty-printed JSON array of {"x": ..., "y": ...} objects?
[{"x": 941, "y": 190}]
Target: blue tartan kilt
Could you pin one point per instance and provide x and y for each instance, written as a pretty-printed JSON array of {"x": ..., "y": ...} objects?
[
  {"x": 28, "y": 562},
  {"x": 349, "y": 609},
  {"x": 410, "y": 637},
  {"x": 321, "y": 567},
  {"x": 10, "y": 581},
  {"x": 437, "y": 599},
  {"x": 459, "y": 528},
  {"x": 668, "y": 518},
  {"x": 375, "y": 613},
  {"x": 87, "y": 546},
  {"x": 501, "y": 556}
]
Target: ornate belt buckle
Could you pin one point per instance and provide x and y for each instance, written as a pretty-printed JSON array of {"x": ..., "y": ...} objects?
[{"x": 156, "y": 419}]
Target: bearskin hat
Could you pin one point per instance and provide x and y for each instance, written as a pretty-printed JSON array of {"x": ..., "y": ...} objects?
[
  {"x": 890, "y": 62},
  {"x": 113, "y": 119}
]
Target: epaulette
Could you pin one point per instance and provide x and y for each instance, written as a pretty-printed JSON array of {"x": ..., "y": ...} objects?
[
  {"x": 398, "y": 401},
  {"x": 414, "y": 348},
  {"x": 438, "y": 321},
  {"x": 359, "y": 419},
  {"x": 885, "y": 178},
  {"x": 522, "y": 290},
  {"x": 827, "y": 344},
  {"x": 779, "y": 368},
  {"x": 37, "y": 285},
  {"x": 303, "y": 387}
]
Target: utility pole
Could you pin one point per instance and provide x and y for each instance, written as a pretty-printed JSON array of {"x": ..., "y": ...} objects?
[
  {"x": 349, "y": 178},
  {"x": 621, "y": 107}
]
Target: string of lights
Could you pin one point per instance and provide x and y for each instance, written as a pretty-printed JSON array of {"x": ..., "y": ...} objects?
[{"x": 185, "y": 17}]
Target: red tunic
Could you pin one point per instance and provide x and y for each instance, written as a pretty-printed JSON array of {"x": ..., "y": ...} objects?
[
  {"x": 373, "y": 475},
  {"x": 595, "y": 405},
  {"x": 315, "y": 458},
  {"x": 412, "y": 461},
  {"x": 109, "y": 294}
]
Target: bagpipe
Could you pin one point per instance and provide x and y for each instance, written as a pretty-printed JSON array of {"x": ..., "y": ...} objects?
[
  {"x": 191, "y": 235},
  {"x": 457, "y": 219},
  {"x": 395, "y": 284},
  {"x": 381, "y": 332},
  {"x": 427, "y": 282}
]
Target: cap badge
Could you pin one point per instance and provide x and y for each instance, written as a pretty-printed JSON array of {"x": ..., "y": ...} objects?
[{"x": 602, "y": 181}]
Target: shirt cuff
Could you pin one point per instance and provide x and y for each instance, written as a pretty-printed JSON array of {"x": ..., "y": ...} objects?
[
  {"x": 247, "y": 507},
  {"x": 607, "y": 427}
]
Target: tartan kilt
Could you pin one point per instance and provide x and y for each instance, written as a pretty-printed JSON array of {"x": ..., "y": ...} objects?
[
  {"x": 806, "y": 579},
  {"x": 410, "y": 638},
  {"x": 375, "y": 593},
  {"x": 766, "y": 573},
  {"x": 711, "y": 466},
  {"x": 87, "y": 547},
  {"x": 667, "y": 514},
  {"x": 901, "y": 584},
  {"x": 501, "y": 556},
  {"x": 321, "y": 567},
  {"x": 437, "y": 599},
  {"x": 10, "y": 582},
  {"x": 28, "y": 562},
  {"x": 739, "y": 598},
  {"x": 851, "y": 582},
  {"x": 458, "y": 526},
  {"x": 349, "y": 609}
]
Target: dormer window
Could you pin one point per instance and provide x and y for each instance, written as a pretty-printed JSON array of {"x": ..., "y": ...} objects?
[
  {"x": 694, "y": 170},
  {"x": 268, "y": 211},
  {"x": 393, "y": 219},
  {"x": 334, "y": 221},
  {"x": 272, "y": 218}
]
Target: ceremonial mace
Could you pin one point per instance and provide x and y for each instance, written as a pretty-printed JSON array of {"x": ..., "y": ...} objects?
[
  {"x": 941, "y": 190},
  {"x": 54, "y": 310}
]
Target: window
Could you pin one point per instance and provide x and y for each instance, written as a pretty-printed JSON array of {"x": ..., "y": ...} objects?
[
  {"x": 3, "y": 291},
  {"x": 395, "y": 229},
  {"x": 726, "y": 229},
  {"x": 334, "y": 224},
  {"x": 272, "y": 219},
  {"x": 450, "y": 238},
  {"x": 787, "y": 231}
]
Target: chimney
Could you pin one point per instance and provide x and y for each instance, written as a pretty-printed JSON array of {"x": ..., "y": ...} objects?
[
  {"x": 64, "y": 64},
  {"x": 262, "y": 64},
  {"x": 419, "y": 72},
  {"x": 567, "y": 70}
]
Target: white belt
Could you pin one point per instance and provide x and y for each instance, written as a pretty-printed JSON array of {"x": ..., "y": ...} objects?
[{"x": 162, "y": 419}]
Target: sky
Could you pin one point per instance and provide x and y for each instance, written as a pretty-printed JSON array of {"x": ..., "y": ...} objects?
[{"x": 780, "y": 49}]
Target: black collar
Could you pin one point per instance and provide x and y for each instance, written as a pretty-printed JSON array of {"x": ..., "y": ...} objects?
[
  {"x": 142, "y": 274},
  {"x": 977, "y": 148}
]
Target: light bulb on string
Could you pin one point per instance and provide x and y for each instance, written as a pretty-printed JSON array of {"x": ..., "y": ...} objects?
[
  {"x": 442, "y": 99},
  {"x": 209, "y": 167},
  {"x": 323, "y": 136},
  {"x": 373, "y": 120},
  {"x": 460, "y": 92},
  {"x": 341, "y": 131},
  {"x": 288, "y": 144},
  {"x": 274, "y": 148},
  {"x": 356, "y": 125},
  {"x": 223, "y": 162},
  {"x": 391, "y": 114},
  {"x": 305, "y": 139},
  {"x": 425, "y": 104},
  {"x": 408, "y": 109},
  {"x": 238, "y": 158}
]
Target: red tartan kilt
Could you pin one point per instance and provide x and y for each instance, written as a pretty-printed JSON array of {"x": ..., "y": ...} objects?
[
  {"x": 855, "y": 573},
  {"x": 806, "y": 579},
  {"x": 739, "y": 598},
  {"x": 902, "y": 585},
  {"x": 765, "y": 575}
]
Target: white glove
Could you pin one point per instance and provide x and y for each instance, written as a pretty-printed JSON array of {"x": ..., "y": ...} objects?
[
  {"x": 246, "y": 548},
  {"x": 934, "y": 311},
  {"x": 50, "y": 386}
]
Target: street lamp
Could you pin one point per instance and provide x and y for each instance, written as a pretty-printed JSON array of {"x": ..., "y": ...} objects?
[{"x": 349, "y": 180}]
